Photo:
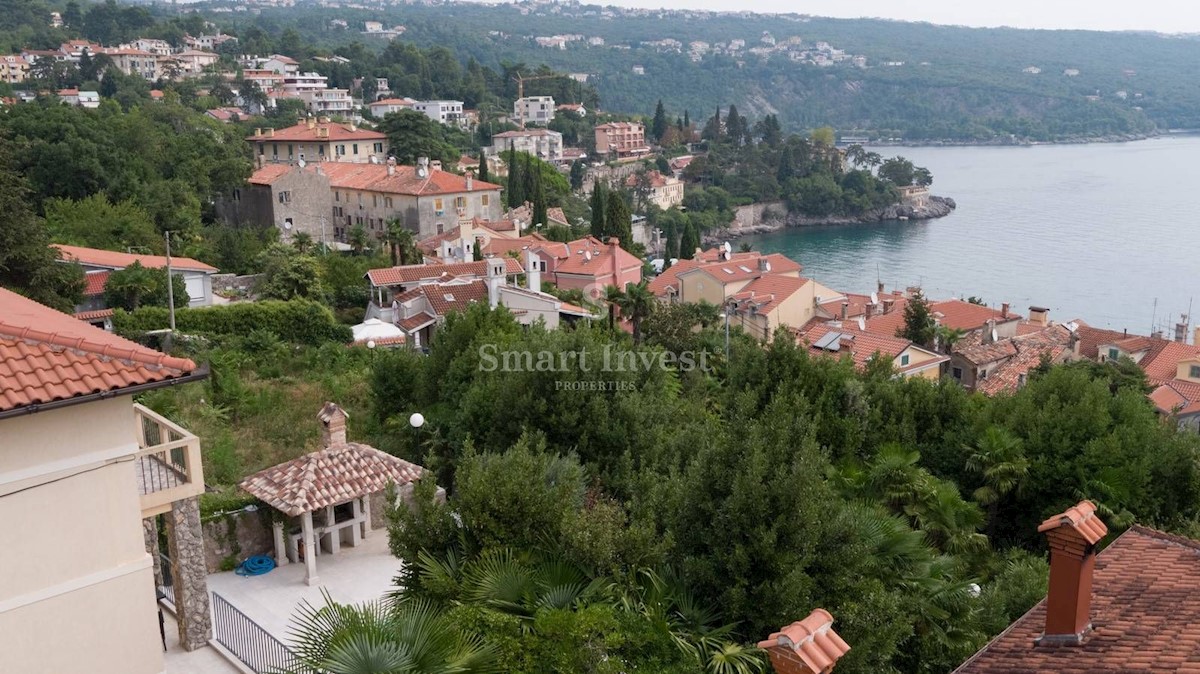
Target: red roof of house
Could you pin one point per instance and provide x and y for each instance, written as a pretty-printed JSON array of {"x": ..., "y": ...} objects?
[
  {"x": 588, "y": 257},
  {"x": 653, "y": 178},
  {"x": 94, "y": 282},
  {"x": 94, "y": 257},
  {"x": 746, "y": 266},
  {"x": 94, "y": 315},
  {"x": 1144, "y": 613},
  {"x": 1091, "y": 338},
  {"x": 954, "y": 313},
  {"x": 1051, "y": 343},
  {"x": 1177, "y": 397},
  {"x": 862, "y": 346},
  {"x": 769, "y": 291},
  {"x": 1161, "y": 363},
  {"x": 416, "y": 273},
  {"x": 302, "y": 133},
  {"x": 46, "y": 355}
]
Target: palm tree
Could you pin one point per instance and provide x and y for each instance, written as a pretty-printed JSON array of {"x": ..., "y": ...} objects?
[
  {"x": 999, "y": 458},
  {"x": 636, "y": 303},
  {"x": 404, "y": 637},
  {"x": 946, "y": 337},
  {"x": 402, "y": 244},
  {"x": 302, "y": 242},
  {"x": 359, "y": 239}
]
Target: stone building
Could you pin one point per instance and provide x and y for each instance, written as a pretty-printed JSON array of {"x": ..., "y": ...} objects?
[{"x": 317, "y": 139}]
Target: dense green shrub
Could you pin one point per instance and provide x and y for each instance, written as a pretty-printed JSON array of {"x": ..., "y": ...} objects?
[{"x": 295, "y": 321}]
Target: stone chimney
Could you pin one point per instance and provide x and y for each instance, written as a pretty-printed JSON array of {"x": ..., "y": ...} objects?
[
  {"x": 845, "y": 311},
  {"x": 879, "y": 287},
  {"x": 258, "y": 132},
  {"x": 1181, "y": 332},
  {"x": 533, "y": 271},
  {"x": 271, "y": 133},
  {"x": 1072, "y": 537},
  {"x": 470, "y": 182},
  {"x": 888, "y": 305},
  {"x": 495, "y": 279},
  {"x": 310, "y": 122},
  {"x": 333, "y": 424},
  {"x": 1004, "y": 310},
  {"x": 808, "y": 646},
  {"x": 391, "y": 166},
  {"x": 989, "y": 329},
  {"x": 1039, "y": 315},
  {"x": 764, "y": 265},
  {"x": 435, "y": 165}
]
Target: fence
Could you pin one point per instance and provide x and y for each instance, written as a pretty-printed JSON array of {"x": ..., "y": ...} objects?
[
  {"x": 243, "y": 637},
  {"x": 168, "y": 583}
]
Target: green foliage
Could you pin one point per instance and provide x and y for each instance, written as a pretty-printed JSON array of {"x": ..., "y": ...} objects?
[
  {"x": 919, "y": 326},
  {"x": 299, "y": 321},
  {"x": 94, "y": 222},
  {"x": 136, "y": 286},
  {"x": 412, "y": 135},
  {"x": 618, "y": 221},
  {"x": 288, "y": 274}
]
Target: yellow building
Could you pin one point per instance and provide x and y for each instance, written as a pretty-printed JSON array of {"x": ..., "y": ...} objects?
[{"x": 81, "y": 468}]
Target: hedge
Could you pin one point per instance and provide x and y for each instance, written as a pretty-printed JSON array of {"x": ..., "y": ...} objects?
[{"x": 298, "y": 321}]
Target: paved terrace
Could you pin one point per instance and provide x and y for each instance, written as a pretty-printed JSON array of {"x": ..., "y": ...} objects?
[{"x": 353, "y": 575}]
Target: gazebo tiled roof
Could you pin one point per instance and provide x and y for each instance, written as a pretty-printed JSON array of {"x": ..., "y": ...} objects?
[{"x": 328, "y": 477}]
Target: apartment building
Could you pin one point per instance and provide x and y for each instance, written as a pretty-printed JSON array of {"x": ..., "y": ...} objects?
[
  {"x": 621, "y": 138},
  {"x": 318, "y": 139},
  {"x": 445, "y": 112},
  {"x": 335, "y": 102},
  {"x": 534, "y": 110},
  {"x": 541, "y": 143},
  {"x": 14, "y": 69}
]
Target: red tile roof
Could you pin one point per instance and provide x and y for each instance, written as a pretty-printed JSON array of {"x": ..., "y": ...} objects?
[
  {"x": 415, "y": 273},
  {"x": 47, "y": 356},
  {"x": 95, "y": 315},
  {"x": 324, "y": 133},
  {"x": 94, "y": 283},
  {"x": 745, "y": 266},
  {"x": 94, "y": 257},
  {"x": 375, "y": 178},
  {"x": 1163, "y": 360},
  {"x": 1177, "y": 397},
  {"x": 808, "y": 645},
  {"x": 862, "y": 346},
  {"x": 1091, "y": 338},
  {"x": 769, "y": 291},
  {"x": 962, "y": 315},
  {"x": 1145, "y": 608},
  {"x": 588, "y": 257}
]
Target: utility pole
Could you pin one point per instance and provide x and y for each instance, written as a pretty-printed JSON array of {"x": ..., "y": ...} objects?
[{"x": 170, "y": 282}]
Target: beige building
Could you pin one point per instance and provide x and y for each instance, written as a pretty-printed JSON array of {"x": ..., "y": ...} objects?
[
  {"x": 840, "y": 339},
  {"x": 663, "y": 191},
  {"x": 83, "y": 472},
  {"x": 317, "y": 139},
  {"x": 14, "y": 69},
  {"x": 621, "y": 138},
  {"x": 544, "y": 144},
  {"x": 135, "y": 62}
]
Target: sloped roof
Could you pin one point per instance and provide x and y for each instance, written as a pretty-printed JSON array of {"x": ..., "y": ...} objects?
[
  {"x": 863, "y": 346},
  {"x": 1145, "y": 606},
  {"x": 811, "y": 641},
  {"x": 1177, "y": 397},
  {"x": 324, "y": 133},
  {"x": 404, "y": 180},
  {"x": 962, "y": 315},
  {"x": 588, "y": 257},
  {"x": 1163, "y": 360},
  {"x": 328, "y": 477},
  {"x": 1091, "y": 338},
  {"x": 46, "y": 356},
  {"x": 414, "y": 273},
  {"x": 94, "y": 257},
  {"x": 770, "y": 290},
  {"x": 94, "y": 282}
]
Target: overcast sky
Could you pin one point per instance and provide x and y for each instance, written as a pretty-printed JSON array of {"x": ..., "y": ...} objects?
[{"x": 1168, "y": 16}]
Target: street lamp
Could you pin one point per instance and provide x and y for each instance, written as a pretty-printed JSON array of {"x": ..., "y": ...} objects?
[{"x": 417, "y": 420}]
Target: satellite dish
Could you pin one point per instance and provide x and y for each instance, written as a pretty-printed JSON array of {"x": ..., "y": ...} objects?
[
  {"x": 374, "y": 159},
  {"x": 421, "y": 171},
  {"x": 874, "y": 298},
  {"x": 862, "y": 323},
  {"x": 728, "y": 248},
  {"x": 287, "y": 224},
  {"x": 994, "y": 336},
  {"x": 301, "y": 163},
  {"x": 587, "y": 255}
]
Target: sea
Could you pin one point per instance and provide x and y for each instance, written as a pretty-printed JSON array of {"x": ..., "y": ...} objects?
[{"x": 1105, "y": 232}]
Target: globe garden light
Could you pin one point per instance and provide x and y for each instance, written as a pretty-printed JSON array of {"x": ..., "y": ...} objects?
[{"x": 417, "y": 420}]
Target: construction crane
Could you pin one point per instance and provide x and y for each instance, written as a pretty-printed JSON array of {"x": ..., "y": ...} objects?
[{"x": 521, "y": 87}]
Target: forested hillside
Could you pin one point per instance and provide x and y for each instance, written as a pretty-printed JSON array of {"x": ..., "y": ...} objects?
[{"x": 955, "y": 83}]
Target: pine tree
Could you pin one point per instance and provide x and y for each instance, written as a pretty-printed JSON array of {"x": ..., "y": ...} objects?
[
  {"x": 733, "y": 125},
  {"x": 659, "y": 125},
  {"x": 618, "y": 218},
  {"x": 539, "y": 217},
  {"x": 689, "y": 242},
  {"x": 599, "y": 230},
  {"x": 919, "y": 326},
  {"x": 786, "y": 170},
  {"x": 686, "y": 121}
]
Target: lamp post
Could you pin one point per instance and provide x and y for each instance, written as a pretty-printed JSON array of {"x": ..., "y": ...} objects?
[{"x": 417, "y": 420}]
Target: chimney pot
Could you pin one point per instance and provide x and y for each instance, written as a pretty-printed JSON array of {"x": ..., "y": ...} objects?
[
  {"x": 880, "y": 287},
  {"x": 808, "y": 646},
  {"x": 333, "y": 424},
  {"x": 1004, "y": 310},
  {"x": 1072, "y": 537},
  {"x": 845, "y": 310}
]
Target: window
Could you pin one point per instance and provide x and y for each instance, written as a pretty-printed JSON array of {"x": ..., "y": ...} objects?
[
  {"x": 356, "y": 149},
  {"x": 341, "y": 150},
  {"x": 387, "y": 202},
  {"x": 438, "y": 207},
  {"x": 1114, "y": 354},
  {"x": 321, "y": 150},
  {"x": 486, "y": 199},
  {"x": 275, "y": 149},
  {"x": 1194, "y": 372},
  {"x": 337, "y": 196},
  {"x": 285, "y": 197},
  {"x": 957, "y": 373},
  {"x": 460, "y": 202},
  {"x": 440, "y": 226},
  {"x": 374, "y": 201},
  {"x": 542, "y": 265},
  {"x": 289, "y": 149},
  {"x": 378, "y": 148},
  {"x": 904, "y": 360},
  {"x": 262, "y": 149},
  {"x": 983, "y": 374}
]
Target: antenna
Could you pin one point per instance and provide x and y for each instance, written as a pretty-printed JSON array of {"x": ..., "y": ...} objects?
[{"x": 1153, "y": 315}]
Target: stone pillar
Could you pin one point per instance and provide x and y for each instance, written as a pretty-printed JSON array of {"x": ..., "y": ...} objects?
[
  {"x": 310, "y": 549},
  {"x": 185, "y": 540},
  {"x": 281, "y": 555},
  {"x": 150, "y": 534}
]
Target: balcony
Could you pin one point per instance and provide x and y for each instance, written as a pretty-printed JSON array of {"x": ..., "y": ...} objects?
[{"x": 167, "y": 464}]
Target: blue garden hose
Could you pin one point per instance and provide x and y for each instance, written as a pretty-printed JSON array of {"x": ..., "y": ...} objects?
[{"x": 255, "y": 566}]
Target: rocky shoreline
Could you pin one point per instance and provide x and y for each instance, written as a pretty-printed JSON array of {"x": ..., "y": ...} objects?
[
  {"x": 934, "y": 207},
  {"x": 1018, "y": 142}
]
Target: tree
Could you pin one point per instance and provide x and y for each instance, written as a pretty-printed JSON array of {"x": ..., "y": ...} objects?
[
  {"x": 73, "y": 16},
  {"x": 412, "y": 135},
  {"x": 476, "y": 251},
  {"x": 302, "y": 242},
  {"x": 95, "y": 222},
  {"x": 515, "y": 194},
  {"x": 636, "y": 303},
  {"x": 28, "y": 264},
  {"x": 618, "y": 219},
  {"x": 358, "y": 239},
  {"x": 578, "y": 171},
  {"x": 659, "y": 126},
  {"x": 402, "y": 244},
  {"x": 999, "y": 459},
  {"x": 483, "y": 168},
  {"x": 712, "y": 128},
  {"x": 287, "y": 274},
  {"x": 824, "y": 137},
  {"x": 919, "y": 326},
  {"x": 136, "y": 286},
  {"x": 898, "y": 171},
  {"x": 599, "y": 203},
  {"x": 689, "y": 241}
]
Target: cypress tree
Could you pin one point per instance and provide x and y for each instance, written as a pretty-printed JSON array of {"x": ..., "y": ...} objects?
[
  {"x": 483, "y": 168},
  {"x": 531, "y": 174},
  {"x": 686, "y": 122},
  {"x": 618, "y": 219},
  {"x": 689, "y": 242},
  {"x": 659, "y": 125},
  {"x": 515, "y": 195},
  {"x": 476, "y": 252},
  {"x": 598, "y": 204}
]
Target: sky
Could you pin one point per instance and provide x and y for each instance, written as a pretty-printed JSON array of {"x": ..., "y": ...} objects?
[{"x": 1168, "y": 16}]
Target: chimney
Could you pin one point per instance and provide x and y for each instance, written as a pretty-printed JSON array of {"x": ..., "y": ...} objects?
[
  {"x": 1004, "y": 310},
  {"x": 257, "y": 131},
  {"x": 988, "y": 329},
  {"x": 1196, "y": 337},
  {"x": 1072, "y": 537},
  {"x": 845, "y": 311},
  {"x": 495, "y": 279},
  {"x": 333, "y": 424},
  {"x": 435, "y": 165},
  {"x": 880, "y": 287},
  {"x": 888, "y": 305},
  {"x": 534, "y": 271},
  {"x": 808, "y": 646},
  {"x": 1039, "y": 315},
  {"x": 764, "y": 265},
  {"x": 271, "y": 133},
  {"x": 311, "y": 122},
  {"x": 1181, "y": 332},
  {"x": 614, "y": 243},
  {"x": 470, "y": 182}
]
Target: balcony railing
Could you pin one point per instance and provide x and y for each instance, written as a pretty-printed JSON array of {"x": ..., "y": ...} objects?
[{"x": 168, "y": 462}]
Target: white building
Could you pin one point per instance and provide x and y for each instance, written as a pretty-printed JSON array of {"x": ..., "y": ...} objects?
[
  {"x": 541, "y": 143},
  {"x": 534, "y": 110},
  {"x": 387, "y": 106},
  {"x": 300, "y": 83},
  {"x": 446, "y": 112},
  {"x": 329, "y": 102}
]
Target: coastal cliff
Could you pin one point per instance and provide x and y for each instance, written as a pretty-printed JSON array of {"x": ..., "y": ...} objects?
[{"x": 773, "y": 216}]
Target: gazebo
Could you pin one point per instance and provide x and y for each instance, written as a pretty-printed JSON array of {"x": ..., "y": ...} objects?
[{"x": 336, "y": 483}]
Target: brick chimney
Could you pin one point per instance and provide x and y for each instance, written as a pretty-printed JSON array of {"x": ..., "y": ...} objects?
[
  {"x": 1072, "y": 537},
  {"x": 808, "y": 646},
  {"x": 615, "y": 245},
  {"x": 845, "y": 310},
  {"x": 1039, "y": 315},
  {"x": 1004, "y": 310},
  {"x": 333, "y": 424}
]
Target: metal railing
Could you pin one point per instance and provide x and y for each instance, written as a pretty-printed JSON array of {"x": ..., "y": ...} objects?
[
  {"x": 248, "y": 641},
  {"x": 168, "y": 584}
]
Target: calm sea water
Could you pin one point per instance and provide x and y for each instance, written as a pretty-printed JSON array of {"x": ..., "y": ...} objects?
[{"x": 1097, "y": 232}]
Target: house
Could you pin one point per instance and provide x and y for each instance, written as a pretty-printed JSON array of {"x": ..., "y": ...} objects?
[
  {"x": 576, "y": 109},
  {"x": 197, "y": 276},
  {"x": 387, "y": 106},
  {"x": 328, "y": 102},
  {"x": 279, "y": 63},
  {"x": 388, "y": 282},
  {"x": 328, "y": 199},
  {"x": 714, "y": 275},
  {"x": 444, "y": 112},
  {"x": 621, "y": 138},
  {"x": 458, "y": 243},
  {"x": 208, "y": 42},
  {"x": 85, "y": 473},
  {"x": 991, "y": 366},
  {"x": 1131, "y": 607},
  {"x": 954, "y": 314},
  {"x": 154, "y": 46},
  {"x": 227, "y": 115},
  {"x": 14, "y": 69},
  {"x": 588, "y": 265},
  {"x": 134, "y": 62},
  {"x": 533, "y": 110},
  {"x": 297, "y": 84},
  {"x": 318, "y": 139},
  {"x": 194, "y": 61},
  {"x": 544, "y": 144},
  {"x": 663, "y": 191},
  {"x": 840, "y": 339},
  {"x": 83, "y": 99}
]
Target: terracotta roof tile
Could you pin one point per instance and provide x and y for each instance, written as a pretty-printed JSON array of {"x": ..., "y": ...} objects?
[
  {"x": 769, "y": 291},
  {"x": 1145, "y": 606},
  {"x": 1091, "y": 338},
  {"x": 328, "y": 477},
  {"x": 588, "y": 256},
  {"x": 94, "y": 282},
  {"x": 46, "y": 356},
  {"x": 94, "y": 257},
  {"x": 94, "y": 315},
  {"x": 329, "y": 132},
  {"x": 1162, "y": 362},
  {"x": 416, "y": 273},
  {"x": 811, "y": 641}
]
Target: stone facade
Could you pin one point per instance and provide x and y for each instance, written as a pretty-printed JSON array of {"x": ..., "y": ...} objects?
[
  {"x": 298, "y": 201},
  {"x": 150, "y": 533},
  {"x": 236, "y": 536},
  {"x": 189, "y": 573}
]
